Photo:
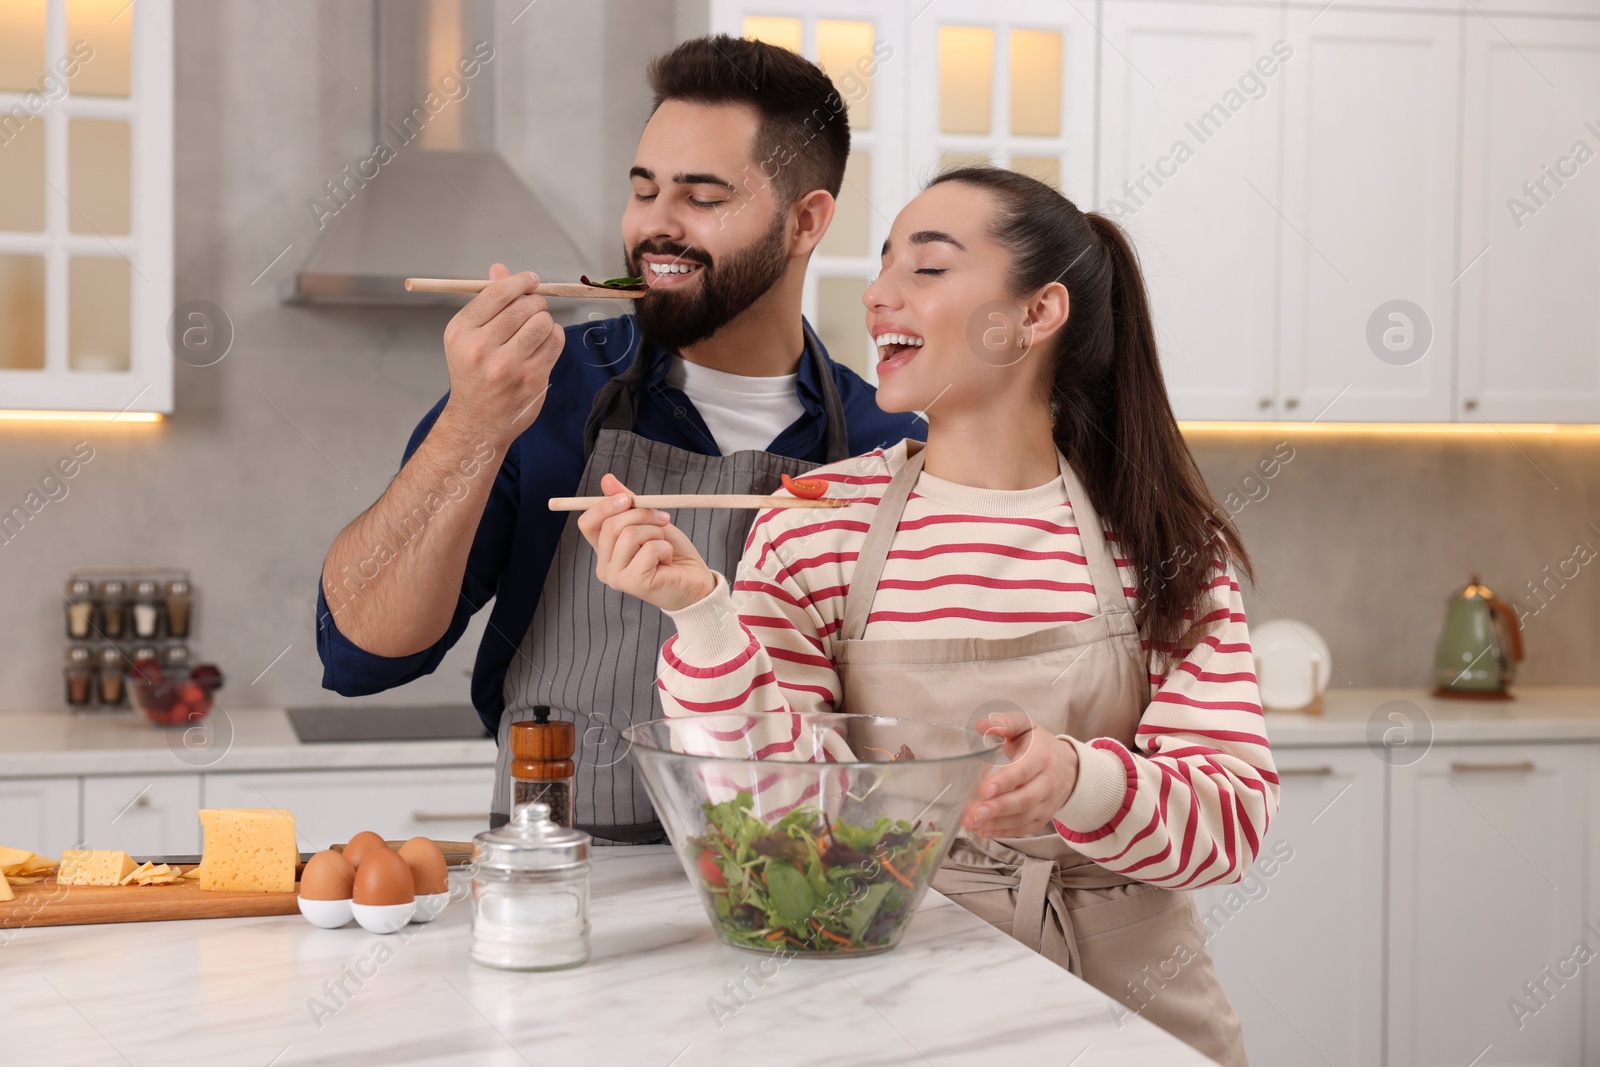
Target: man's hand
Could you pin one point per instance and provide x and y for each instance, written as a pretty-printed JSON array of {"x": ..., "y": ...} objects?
[
  {"x": 641, "y": 553},
  {"x": 1019, "y": 799},
  {"x": 500, "y": 349}
]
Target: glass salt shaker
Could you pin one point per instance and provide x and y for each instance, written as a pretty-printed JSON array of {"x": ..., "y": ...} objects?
[
  {"x": 530, "y": 893},
  {"x": 146, "y": 609},
  {"x": 80, "y": 609}
]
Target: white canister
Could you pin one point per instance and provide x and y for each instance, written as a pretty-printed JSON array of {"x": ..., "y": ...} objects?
[{"x": 530, "y": 893}]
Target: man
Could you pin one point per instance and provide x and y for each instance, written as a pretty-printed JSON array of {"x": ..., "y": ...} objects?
[{"x": 714, "y": 385}]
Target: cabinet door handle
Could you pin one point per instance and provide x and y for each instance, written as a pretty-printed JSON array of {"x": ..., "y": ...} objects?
[
  {"x": 1307, "y": 772},
  {"x": 450, "y": 816},
  {"x": 1509, "y": 765}
]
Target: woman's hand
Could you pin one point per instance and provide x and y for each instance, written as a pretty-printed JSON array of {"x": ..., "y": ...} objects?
[
  {"x": 1021, "y": 797},
  {"x": 641, "y": 553}
]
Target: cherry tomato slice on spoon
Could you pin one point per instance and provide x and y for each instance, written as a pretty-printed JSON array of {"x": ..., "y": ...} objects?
[{"x": 805, "y": 488}]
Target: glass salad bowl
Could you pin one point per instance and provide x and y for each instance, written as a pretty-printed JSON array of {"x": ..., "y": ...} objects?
[{"x": 808, "y": 833}]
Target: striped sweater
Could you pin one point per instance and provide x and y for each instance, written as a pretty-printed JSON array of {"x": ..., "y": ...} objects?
[{"x": 1187, "y": 806}]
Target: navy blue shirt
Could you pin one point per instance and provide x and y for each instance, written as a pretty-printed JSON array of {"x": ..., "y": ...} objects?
[{"x": 517, "y": 536}]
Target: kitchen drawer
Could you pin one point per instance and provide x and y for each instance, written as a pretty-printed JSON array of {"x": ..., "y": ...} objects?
[
  {"x": 39, "y": 814},
  {"x": 445, "y": 803},
  {"x": 143, "y": 815}
]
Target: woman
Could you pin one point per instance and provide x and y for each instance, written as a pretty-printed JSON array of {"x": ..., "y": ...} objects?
[{"x": 1054, "y": 544}]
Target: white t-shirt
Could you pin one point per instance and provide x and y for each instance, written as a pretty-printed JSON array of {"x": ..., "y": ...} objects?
[{"x": 742, "y": 412}]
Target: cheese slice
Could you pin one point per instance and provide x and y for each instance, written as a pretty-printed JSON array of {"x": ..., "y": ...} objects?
[
  {"x": 93, "y": 867},
  {"x": 249, "y": 850},
  {"x": 5, "y": 890}
]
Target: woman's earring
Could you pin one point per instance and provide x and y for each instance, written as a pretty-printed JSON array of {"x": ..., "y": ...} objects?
[{"x": 1022, "y": 342}]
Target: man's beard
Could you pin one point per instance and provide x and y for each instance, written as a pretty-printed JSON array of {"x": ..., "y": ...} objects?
[{"x": 676, "y": 320}]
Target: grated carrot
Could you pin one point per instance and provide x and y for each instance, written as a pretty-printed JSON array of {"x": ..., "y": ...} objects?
[{"x": 890, "y": 868}]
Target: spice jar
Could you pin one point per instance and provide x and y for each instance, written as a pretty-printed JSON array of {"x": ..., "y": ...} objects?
[
  {"x": 179, "y": 599},
  {"x": 146, "y": 608},
  {"x": 79, "y": 673},
  {"x": 541, "y": 765},
  {"x": 80, "y": 608},
  {"x": 112, "y": 681},
  {"x": 176, "y": 658},
  {"x": 113, "y": 609},
  {"x": 530, "y": 894}
]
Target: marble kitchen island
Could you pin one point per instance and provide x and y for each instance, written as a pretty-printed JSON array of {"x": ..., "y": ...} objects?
[{"x": 660, "y": 990}]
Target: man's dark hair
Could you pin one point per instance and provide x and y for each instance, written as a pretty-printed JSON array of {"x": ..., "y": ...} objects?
[{"x": 803, "y": 138}]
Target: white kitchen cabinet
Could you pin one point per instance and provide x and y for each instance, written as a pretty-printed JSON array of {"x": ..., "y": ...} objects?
[
  {"x": 39, "y": 814},
  {"x": 1487, "y": 863},
  {"x": 330, "y": 807},
  {"x": 143, "y": 815},
  {"x": 87, "y": 222},
  {"x": 1298, "y": 945},
  {"x": 1369, "y": 209},
  {"x": 1530, "y": 323},
  {"x": 1189, "y": 167},
  {"x": 1591, "y": 982}
]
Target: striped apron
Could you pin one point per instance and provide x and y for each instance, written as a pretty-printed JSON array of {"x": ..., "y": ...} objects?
[
  {"x": 590, "y": 652},
  {"x": 1137, "y": 943}
]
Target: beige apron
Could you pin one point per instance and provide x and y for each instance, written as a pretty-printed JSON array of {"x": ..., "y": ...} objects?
[{"x": 1139, "y": 944}]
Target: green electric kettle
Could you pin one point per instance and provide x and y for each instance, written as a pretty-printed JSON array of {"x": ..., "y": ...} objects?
[{"x": 1480, "y": 647}]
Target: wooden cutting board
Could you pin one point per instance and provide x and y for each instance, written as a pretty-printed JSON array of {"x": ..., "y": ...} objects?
[{"x": 48, "y": 904}]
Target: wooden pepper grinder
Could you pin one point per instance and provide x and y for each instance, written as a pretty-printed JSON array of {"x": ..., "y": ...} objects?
[{"x": 541, "y": 765}]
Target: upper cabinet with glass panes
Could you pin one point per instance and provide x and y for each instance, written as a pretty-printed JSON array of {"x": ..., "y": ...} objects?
[
  {"x": 854, "y": 44},
  {"x": 86, "y": 215},
  {"x": 930, "y": 85}
]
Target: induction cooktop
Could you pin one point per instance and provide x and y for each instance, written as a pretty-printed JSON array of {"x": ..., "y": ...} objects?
[{"x": 433, "y": 722}]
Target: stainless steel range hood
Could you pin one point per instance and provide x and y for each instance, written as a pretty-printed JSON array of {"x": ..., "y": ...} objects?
[{"x": 431, "y": 197}]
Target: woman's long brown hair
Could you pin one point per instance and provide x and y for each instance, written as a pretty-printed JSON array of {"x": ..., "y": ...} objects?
[{"x": 1113, "y": 420}]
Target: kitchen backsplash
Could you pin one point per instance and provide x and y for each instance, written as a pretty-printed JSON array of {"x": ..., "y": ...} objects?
[{"x": 276, "y": 447}]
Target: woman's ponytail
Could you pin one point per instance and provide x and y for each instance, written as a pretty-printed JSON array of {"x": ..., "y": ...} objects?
[{"x": 1113, "y": 420}]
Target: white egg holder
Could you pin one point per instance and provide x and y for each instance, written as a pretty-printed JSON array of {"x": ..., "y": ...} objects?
[{"x": 374, "y": 918}]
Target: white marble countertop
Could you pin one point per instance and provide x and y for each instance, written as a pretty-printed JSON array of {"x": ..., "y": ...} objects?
[
  {"x": 51, "y": 743},
  {"x": 267, "y": 991},
  {"x": 45, "y": 743},
  {"x": 1356, "y": 716}
]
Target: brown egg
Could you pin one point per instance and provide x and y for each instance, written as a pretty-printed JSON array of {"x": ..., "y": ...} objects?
[
  {"x": 328, "y": 876},
  {"x": 384, "y": 878},
  {"x": 360, "y": 845},
  {"x": 429, "y": 872}
]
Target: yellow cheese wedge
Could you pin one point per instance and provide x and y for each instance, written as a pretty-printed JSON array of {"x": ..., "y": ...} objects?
[
  {"x": 5, "y": 890},
  {"x": 92, "y": 867},
  {"x": 249, "y": 850}
]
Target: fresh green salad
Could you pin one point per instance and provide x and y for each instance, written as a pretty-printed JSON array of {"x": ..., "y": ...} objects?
[
  {"x": 613, "y": 283},
  {"x": 808, "y": 886}
]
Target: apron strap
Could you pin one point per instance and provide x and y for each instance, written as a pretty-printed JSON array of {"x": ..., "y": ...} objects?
[
  {"x": 616, "y": 405},
  {"x": 832, "y": 404},
  {"x": 875, "y": 549},
  {"x": 1039, "y": 886},
  {"x": 886, "y": 521},
  {"x": 1102, "y": 565}
]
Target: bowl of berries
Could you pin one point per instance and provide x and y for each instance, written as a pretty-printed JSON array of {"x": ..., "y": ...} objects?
[{"x": 174, "y": 696}]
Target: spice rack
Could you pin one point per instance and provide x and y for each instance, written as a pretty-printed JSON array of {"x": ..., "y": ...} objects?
[{"x": 115, "y": 616}]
